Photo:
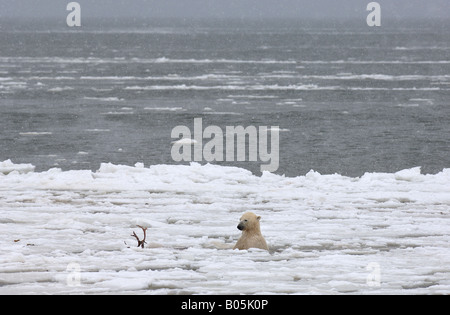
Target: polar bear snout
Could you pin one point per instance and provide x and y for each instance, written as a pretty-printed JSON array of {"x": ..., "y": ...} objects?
[{"x": 242, "y": 224}]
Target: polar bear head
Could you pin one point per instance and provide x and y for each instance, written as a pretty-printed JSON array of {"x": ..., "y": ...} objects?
[{"x": 249, "y": 222}]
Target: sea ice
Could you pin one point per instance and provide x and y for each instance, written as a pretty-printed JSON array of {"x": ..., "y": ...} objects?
[
  {"x": 325, "y": 232},
  {"x": 7, "y": 167}
]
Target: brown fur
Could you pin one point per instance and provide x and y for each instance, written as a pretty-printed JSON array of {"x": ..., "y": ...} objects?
[{"x": 251, "y": 233}]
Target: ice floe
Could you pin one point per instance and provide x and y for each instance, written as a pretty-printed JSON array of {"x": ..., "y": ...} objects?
[{"x": 70, "y": 231}]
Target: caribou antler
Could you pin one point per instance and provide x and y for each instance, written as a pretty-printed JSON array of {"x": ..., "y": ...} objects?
[{"x": 141, "y": 243}]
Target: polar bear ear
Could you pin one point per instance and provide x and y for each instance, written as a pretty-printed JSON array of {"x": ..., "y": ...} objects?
[{"x": 258, "y": 218}]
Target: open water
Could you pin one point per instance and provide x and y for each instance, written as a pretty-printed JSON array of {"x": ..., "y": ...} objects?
[{"x": 347, "y": 98}]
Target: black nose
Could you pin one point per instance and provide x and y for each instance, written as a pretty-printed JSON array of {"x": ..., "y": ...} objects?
[{"x": 240, "y": 226}]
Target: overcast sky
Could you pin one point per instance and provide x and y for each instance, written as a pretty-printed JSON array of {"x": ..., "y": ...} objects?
[{"x": 227, "y": 8}]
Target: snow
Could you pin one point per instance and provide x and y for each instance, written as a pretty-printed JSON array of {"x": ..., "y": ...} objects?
[
  {"x": 69, "y": 232},
  {"x": 8, "y": 166}
]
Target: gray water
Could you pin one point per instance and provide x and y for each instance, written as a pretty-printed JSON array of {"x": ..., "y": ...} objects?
[{"x": 349, "y": 98}]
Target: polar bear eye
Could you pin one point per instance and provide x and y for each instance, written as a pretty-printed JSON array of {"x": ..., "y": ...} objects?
[{"x": 245, "y": 220}]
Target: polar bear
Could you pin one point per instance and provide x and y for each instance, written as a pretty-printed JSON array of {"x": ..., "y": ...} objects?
[{"x": 251, "y": 233}]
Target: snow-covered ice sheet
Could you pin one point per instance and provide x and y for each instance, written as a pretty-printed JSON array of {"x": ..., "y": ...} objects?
[
  {"x": 7, "y": 167},
  {"x": 69, "y": 232}
]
